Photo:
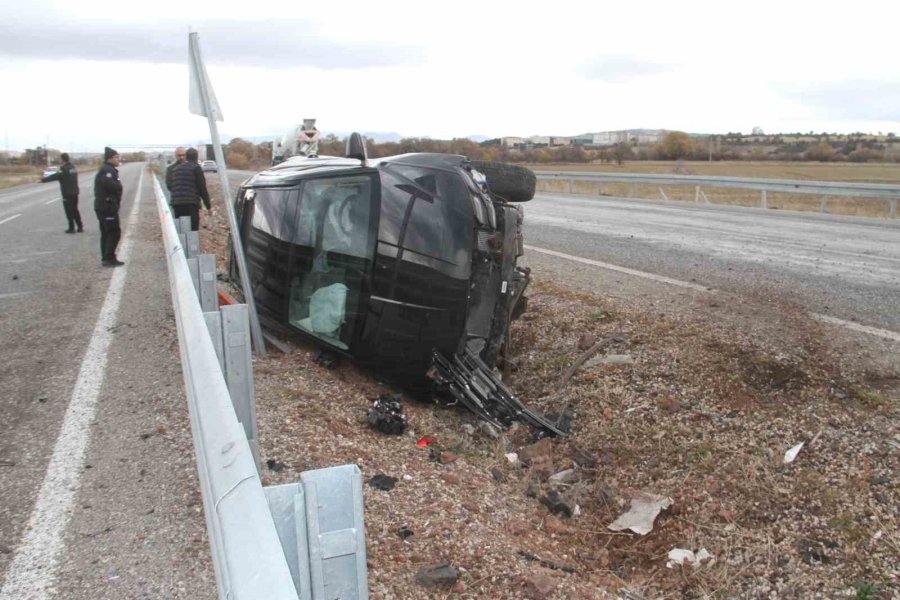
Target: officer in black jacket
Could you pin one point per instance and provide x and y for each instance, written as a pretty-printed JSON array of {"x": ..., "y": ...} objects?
[
  {"x": 179, "y": 158},
  {"x": 107, "y": 199},
  {"x": 188, "y": 189},
  {"x": 67, "y": 176}
]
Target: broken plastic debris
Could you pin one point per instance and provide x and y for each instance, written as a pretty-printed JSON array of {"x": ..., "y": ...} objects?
[
  {"x": 791, "y": 454},
  {"x": 386, "y": 415},
  {"x": 680, "y": 556},
  {"x": 643, "y": 512},
  {"x": 425, "y": 441}
]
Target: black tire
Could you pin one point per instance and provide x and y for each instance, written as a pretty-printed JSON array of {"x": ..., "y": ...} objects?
[{"x": 510, "y": 182}]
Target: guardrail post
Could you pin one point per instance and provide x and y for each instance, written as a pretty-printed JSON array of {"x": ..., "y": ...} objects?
[
  {"x": 893, "y": 209},
  {"x": 239, "y": 370},
  {"x": 194, "y": 269},
  {"x": 193, "y": 242},
  {"x": 697, "y": 194},
  {"x": 287, "y": 504},
  {"x": 762, "y": 199},
  {"x": 214, "y": 324},
  {"x": 571, "y": 186},
  {"x": 337, "y": 544},
  {"x": 823, "y": 204},
  {"x": 207, "y": 281}
]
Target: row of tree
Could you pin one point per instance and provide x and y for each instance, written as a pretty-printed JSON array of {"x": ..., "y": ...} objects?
[{"x": 675, "y": 145}]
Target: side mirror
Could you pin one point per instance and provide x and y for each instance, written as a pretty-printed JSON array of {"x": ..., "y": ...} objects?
[{"x": 356, "y": 148}]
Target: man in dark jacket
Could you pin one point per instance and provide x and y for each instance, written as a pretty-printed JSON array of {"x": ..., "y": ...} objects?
[
  {"x": 179, "y": 158},
  {"x": 107, "y": 199},
  {"x": 188, "y": 189},
  {"x": 67, "y": 176}
]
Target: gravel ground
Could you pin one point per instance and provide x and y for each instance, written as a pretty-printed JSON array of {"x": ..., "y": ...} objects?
[{"x": 703, "y": 399}]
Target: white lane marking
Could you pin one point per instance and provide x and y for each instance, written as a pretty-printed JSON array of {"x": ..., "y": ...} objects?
[
  {"x": 32, "y": 572},
  {"x": 882, "y": 333},
  {"x": 51, "y": 201},
  {"x": 14, "y": 294},
  {"x": 626, "y": 270},
  {"x": 8, "y": 219}
]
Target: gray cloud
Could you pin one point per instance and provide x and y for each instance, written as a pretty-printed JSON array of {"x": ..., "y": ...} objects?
[
  {"x": 620, "y": 69},
  {"x": 862, "y": 99},
  {"x": 274, "y": 43}
]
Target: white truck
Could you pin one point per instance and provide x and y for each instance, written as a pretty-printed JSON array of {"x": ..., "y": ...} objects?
[{"x": 301, "y": 140}]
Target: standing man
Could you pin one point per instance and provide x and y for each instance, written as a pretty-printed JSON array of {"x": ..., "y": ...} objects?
[
  {"x": 179, "y": 158},
  {"x": 188, "y": 188},
  {"x": 107, "y": 198},
  {"x": 67, "y": 176}
]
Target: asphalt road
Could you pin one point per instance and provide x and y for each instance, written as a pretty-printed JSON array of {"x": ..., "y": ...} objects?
[
  {"x": 122, "y": 518},
  {"x": 844, "y": 267}
]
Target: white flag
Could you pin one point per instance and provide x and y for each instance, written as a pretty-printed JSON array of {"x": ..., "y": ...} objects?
[{"x": 201, "y": 88}]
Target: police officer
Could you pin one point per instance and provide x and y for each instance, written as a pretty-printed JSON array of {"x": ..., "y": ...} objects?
[
  {"x": 188, "y": 189},
  {"x": 107, "y": 198},
  {"x": 67, "y": 176}
]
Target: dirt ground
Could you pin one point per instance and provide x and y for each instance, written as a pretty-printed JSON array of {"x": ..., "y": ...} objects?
[{"x": 697, "y": 409}]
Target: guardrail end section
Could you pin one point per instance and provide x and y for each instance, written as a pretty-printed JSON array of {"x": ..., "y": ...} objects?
[
  {"x": 287, "y": 504},
  {"x": 336, "y": 533}
]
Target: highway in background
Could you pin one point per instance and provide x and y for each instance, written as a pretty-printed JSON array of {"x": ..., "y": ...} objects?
[
  {"x": 135, "y": 529},
  {"x": 844, "y": 267}
]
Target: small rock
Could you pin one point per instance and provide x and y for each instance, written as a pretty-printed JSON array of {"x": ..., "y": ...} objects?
[
  {"x": 437, "y": 575},
  {"x": 586, "y": 341},
  {"x": 15, "y": 277},
  {"x": 405, "y": 532},
  {"x": 518, "y": 527},
  {"x": 607, "y": 493},
  {"x": 451, "y": 478},
  {"x": 539, "y": 586},
  {"x": 566, "y": 477},
  {"x": 383, "y": 482},
  {"x": 541, "y": 450},
  {"x": 554, "y": 525},
  {"x": 618, "y": 359},
  {"x": 557, "y": 504},
  {"x": 533, "y": 489},
  {"x": 275, "y": 466},
  {"x": 812, "y": 551},
  {"x": 498, "y": 475},
  {"x": 459, "y": 587},
  {"x": 489, "y": 429},
  {"x": 468, "y": 428},
  {"x": 447, "y": 457},
  {"x": 583, "y": 459}
]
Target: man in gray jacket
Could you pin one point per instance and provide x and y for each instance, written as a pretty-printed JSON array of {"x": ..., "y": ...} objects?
[
  {"x": 67, "y": 176},
  {"x": 188, "y": 189}
]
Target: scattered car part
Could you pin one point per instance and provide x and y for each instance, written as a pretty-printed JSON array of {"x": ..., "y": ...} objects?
[{"x": 386, "y": 415}]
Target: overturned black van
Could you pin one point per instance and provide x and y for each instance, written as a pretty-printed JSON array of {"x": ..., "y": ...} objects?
[{"x": 407, "y": 264}]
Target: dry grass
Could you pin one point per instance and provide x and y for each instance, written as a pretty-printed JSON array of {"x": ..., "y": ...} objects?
[
  {"x": 13, "y": 176},
  {"x": 845, "y": 172}
]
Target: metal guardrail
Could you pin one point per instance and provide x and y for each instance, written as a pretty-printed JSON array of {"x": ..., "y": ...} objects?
[
  {"x": 302, "y": 540},
  {"x": 247, "y": 555},
  {"x": 888, "y": 192}
]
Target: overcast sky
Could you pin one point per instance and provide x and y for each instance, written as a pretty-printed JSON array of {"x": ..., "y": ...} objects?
[{"x": 84, "y": 74}]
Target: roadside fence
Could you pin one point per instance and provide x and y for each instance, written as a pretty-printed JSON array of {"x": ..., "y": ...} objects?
[
  {"x": 881, "y": 199},
  {"x": 298, "y": 541}
]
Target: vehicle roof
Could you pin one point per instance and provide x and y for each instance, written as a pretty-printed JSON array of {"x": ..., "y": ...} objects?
[{"x": 298, "y": 168}]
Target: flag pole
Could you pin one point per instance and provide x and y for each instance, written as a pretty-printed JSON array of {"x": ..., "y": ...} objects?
[{"x": 198, "y": 71}]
